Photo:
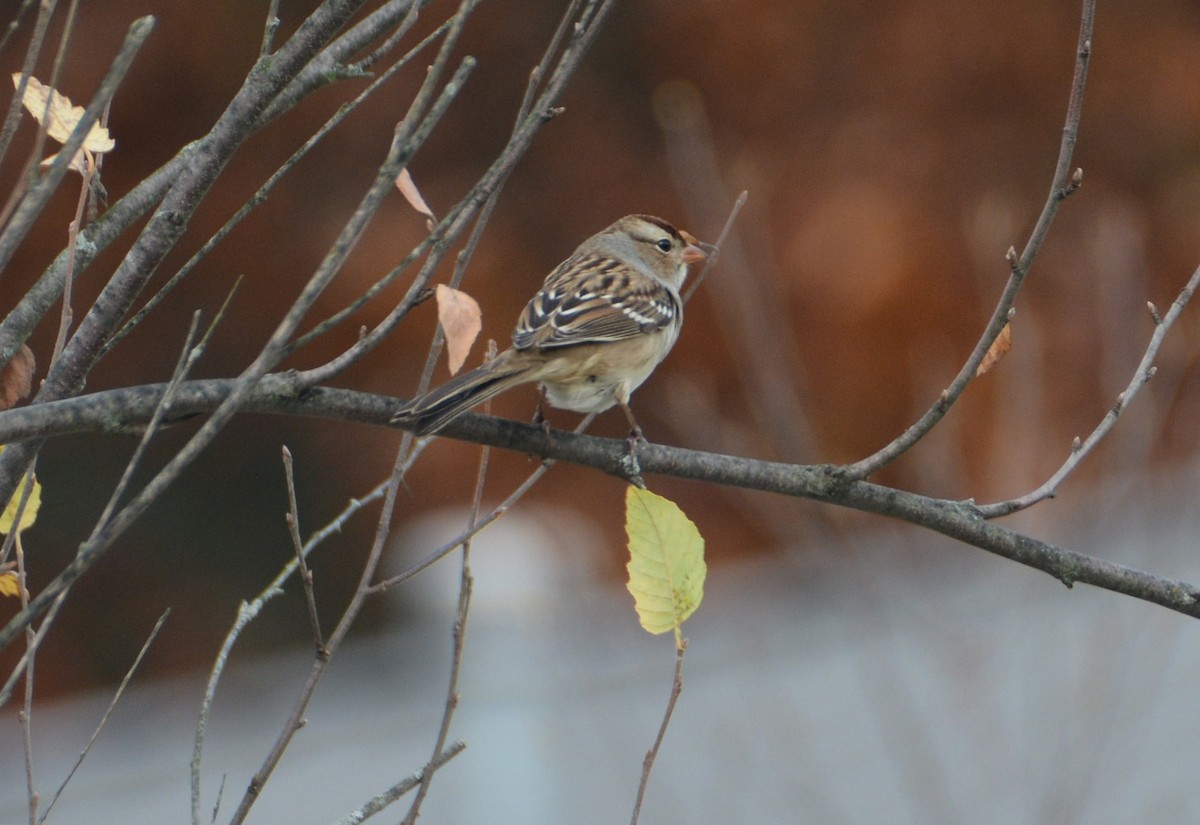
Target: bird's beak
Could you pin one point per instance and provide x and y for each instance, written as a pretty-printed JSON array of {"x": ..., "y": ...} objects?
[{"x": 692, "y": 253}]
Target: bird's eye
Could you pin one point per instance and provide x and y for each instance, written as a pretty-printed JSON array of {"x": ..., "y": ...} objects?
[{"x": 664, "y": 245}]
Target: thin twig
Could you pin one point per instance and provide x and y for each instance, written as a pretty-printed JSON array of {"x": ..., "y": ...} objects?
[
  {"x": 1080, "y": 450},
  {"x": 26, "y": 713},
  {"x": 402, "y": 28},
  {"x": 295, "y": 719},
  {"x": 652, "y": 754},
  {"x": 465, "y": 585},
  {"x": 270, "y": 28},
  {"x": 108, "y": 712},
  {"x": 465, "y": 536},
  {"x": 31, "y": 649},
  {"x": 379, "y": 802},
  {"x": 248, "y": 611},
  {"x": 66, "y": 316},
  {"x": 1066, "y": 181},
  {"x": 306, "y": 578},
  {"x": 715, "y": 254},
  {"x": 13, "y": 26}
]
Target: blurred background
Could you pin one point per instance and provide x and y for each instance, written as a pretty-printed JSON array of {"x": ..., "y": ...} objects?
[{"x": 892, "y": 152}]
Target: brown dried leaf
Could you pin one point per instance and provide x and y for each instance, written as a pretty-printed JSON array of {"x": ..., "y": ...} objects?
[
  {"x": 461, "y": 321},
  {"x": 408, "y": 189},
  {"x": 16, "y": 379},
  {"x": 996, "y": 351}
]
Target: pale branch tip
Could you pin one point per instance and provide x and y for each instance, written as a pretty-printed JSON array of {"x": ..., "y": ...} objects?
[{"x": 1154, "y": 314}]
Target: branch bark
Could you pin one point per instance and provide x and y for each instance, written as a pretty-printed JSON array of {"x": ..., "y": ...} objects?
[{"x": 122, "y": 411}]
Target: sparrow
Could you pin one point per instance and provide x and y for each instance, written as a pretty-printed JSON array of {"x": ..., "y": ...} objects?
[{"x": 602, "y": 321}]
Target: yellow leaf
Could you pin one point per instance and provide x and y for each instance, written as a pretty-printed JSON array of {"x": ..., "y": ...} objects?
[
  {"x": 9, "y": 586},
  {"x": 461, "y": 321},
  {"x": 29, "y": 516},
  {"x": 62, "y": 117},
  {"x": 666, "y": 561},
  {"x": 996, "y": 351}
]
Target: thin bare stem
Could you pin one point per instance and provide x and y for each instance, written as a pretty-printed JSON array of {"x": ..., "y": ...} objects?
[
  {"x": 538, "y": 74},
  {"x": 1064, "y": 184},
  {"x": 306, "y": 577},
  {"x": 715, "y": 253},
  {"x": 248, "y": 611},
  {"x": 13, "y": 26},
  {"x": 270, "y": 28},
  {"x": 1080, "y": 450},
  {"x": 108, "y": 712},
  {"x": 466, "y": 584},
  {"x": 65, "y": 318},
  {"x": 652, "y": 754},
  {"x": 465, "y": 536},
  {"x": 381, "y": 801},
  {"x": 31, "y": 650},
  {"x": 409, "y": 20},
  {"x": 26, "y": 713},
  {"x": 295, "y": 720}
]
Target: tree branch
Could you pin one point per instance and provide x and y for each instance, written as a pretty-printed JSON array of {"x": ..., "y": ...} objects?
[
  {"x": 1064, "y": 184},
  {"x": 121, "y": 411}
]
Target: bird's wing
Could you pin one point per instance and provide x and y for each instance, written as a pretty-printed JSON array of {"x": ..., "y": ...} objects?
[{"x": 592, "y": 299}]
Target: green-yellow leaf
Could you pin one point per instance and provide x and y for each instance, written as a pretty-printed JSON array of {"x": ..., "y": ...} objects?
[
  {"x": 29, "y": 515},
  {"x": 666, "y": 561}
]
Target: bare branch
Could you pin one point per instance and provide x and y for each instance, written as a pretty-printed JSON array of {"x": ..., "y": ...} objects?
[
  {"x": 1065, "y": 182},
  {"x": 383, "y": 800},
  {"x": 1080, "y": 450},
  {"x": 108, "y": 711},
  {"x": 652, "y": 754},
  {"x": 306, "y": 577},
  {"x": 466, "y": 584}
]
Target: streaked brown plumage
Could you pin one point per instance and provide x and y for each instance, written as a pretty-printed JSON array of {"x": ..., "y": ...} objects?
[{"x": 600, "y": 324}]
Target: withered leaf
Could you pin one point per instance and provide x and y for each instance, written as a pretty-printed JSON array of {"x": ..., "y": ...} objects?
[
  {"x": 461, "y": 321},
  {"x": 61, "y": 119},
  {"x": 408, "y": 188},
  {"x": 996, "y": 351},
  {"x": 16, "y": 379}
]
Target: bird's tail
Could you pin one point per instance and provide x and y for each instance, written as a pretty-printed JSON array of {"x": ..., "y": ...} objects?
[{"x": 428, "y": 413}]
